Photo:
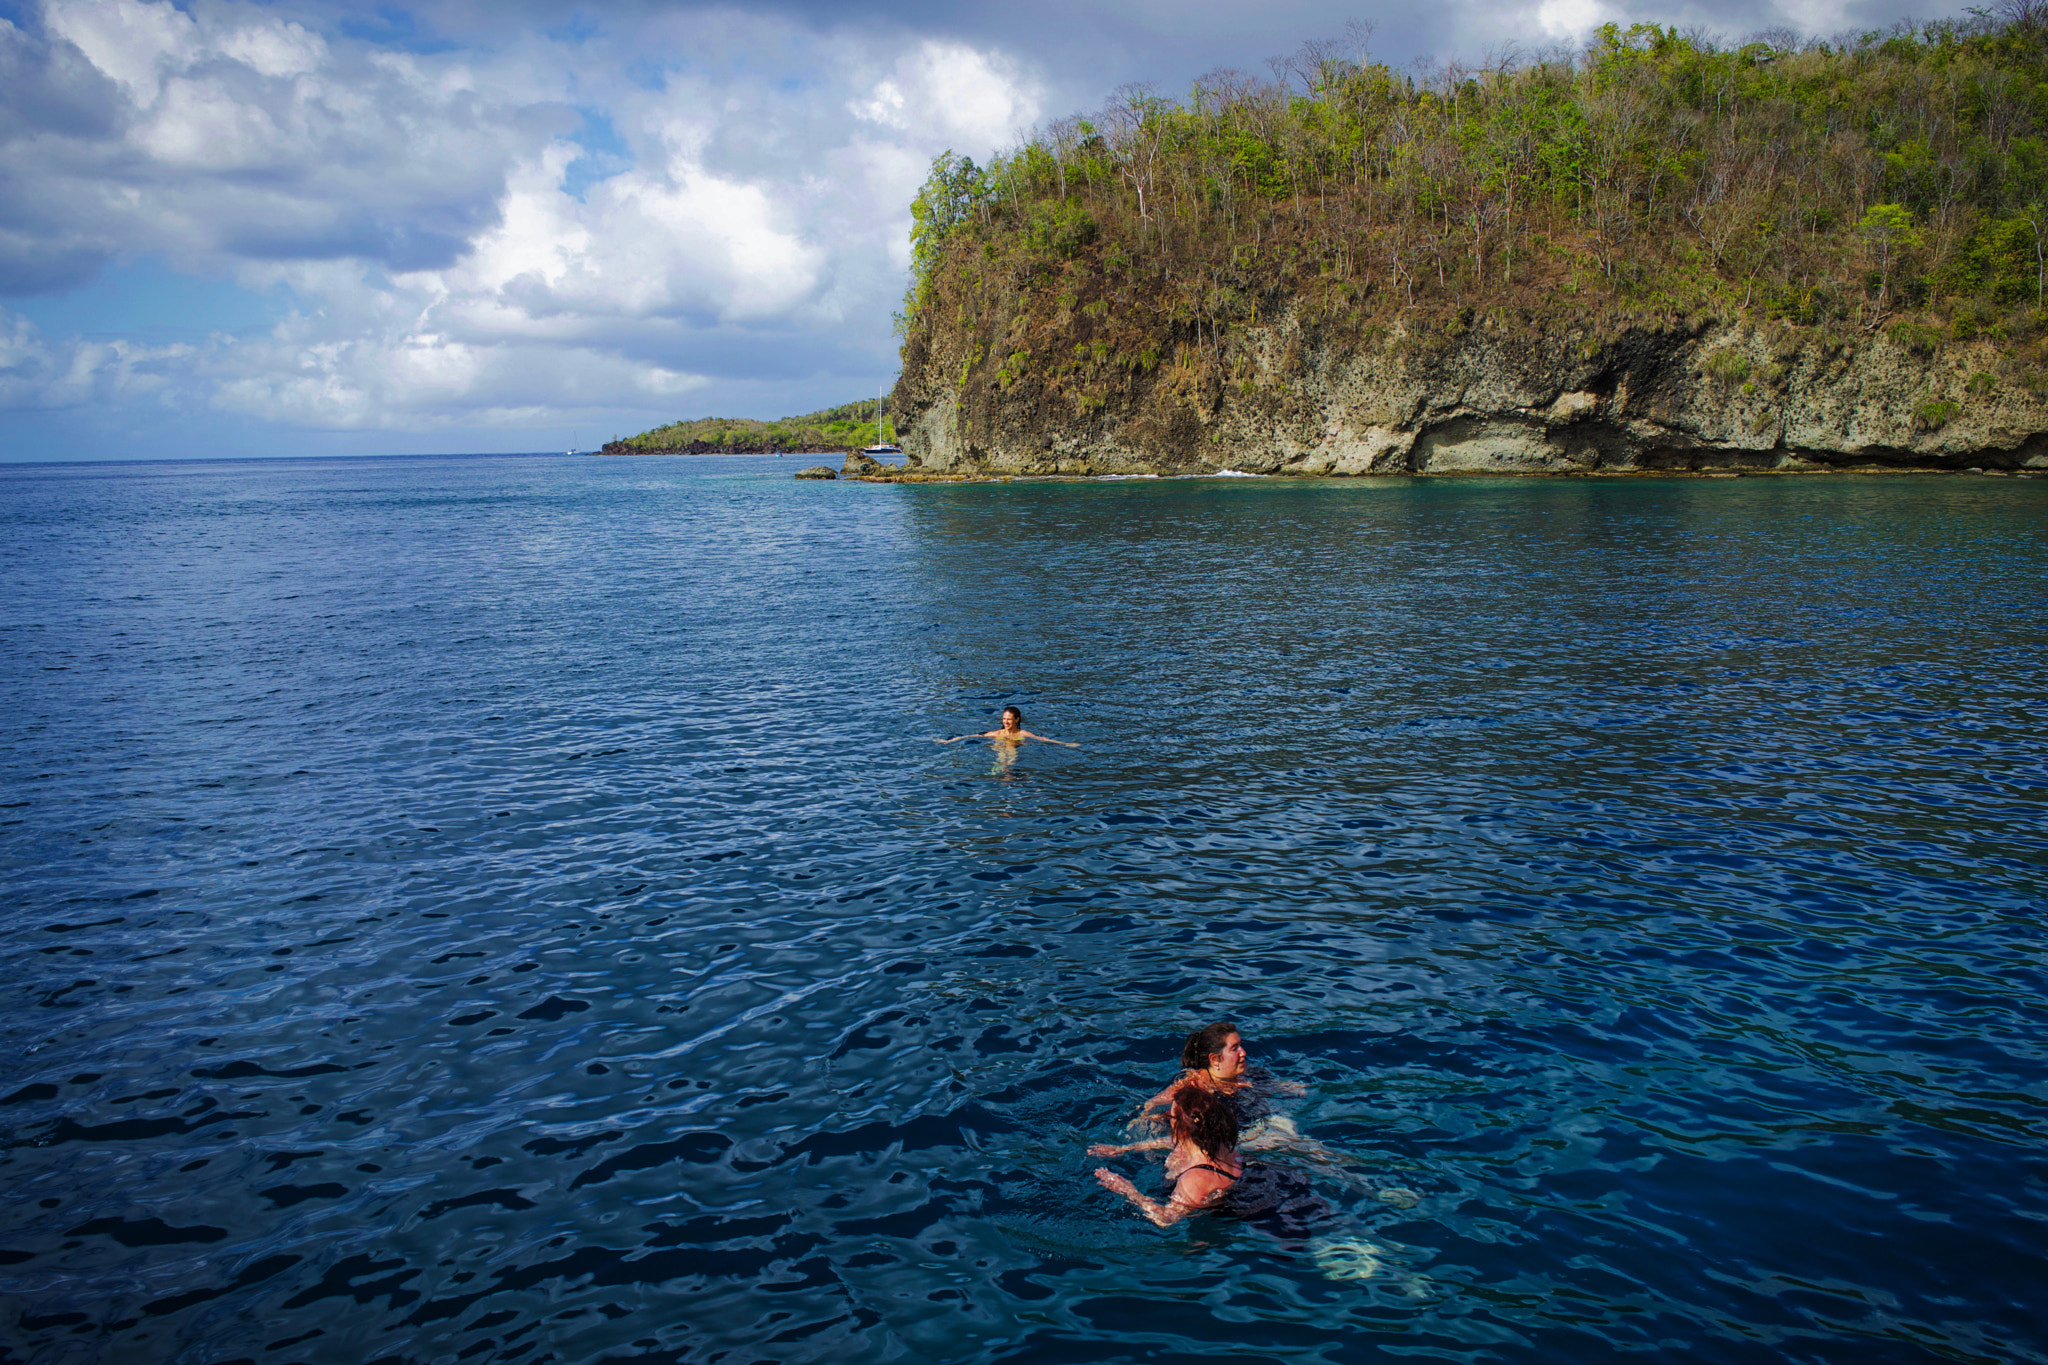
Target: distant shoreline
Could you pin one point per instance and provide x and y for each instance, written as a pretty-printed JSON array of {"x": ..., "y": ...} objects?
[{"x": 706, "y": 448}]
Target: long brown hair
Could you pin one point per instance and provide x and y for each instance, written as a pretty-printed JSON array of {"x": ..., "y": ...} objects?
[{"x": 1201, "y": 1118}]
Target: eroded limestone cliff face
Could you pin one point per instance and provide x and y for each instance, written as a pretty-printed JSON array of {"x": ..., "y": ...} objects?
[{"x": 1481, "y": 396}]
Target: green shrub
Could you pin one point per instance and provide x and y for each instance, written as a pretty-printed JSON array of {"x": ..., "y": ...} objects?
[
  {"x": 1727, "y": 366},
  {"x": 1982, "y": 384},
  {"x": 1060, "y": 229},
  {"x": 1917, "y": 337},
  {"x": 1935, "y": 413}
]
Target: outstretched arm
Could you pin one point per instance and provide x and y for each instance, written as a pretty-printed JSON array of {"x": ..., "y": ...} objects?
[
  {"x": 1193, "y": 1185},
  {"x": 1046, "y": 739},
  {"x": 1164, "y": 1097},
  {"x": 1146, "y": 1145}
]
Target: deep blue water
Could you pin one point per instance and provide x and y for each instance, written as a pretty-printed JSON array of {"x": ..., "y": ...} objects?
[{"x": 514, "y": 910}]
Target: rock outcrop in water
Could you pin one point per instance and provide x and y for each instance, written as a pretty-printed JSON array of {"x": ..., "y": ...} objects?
[{"x": 1494, "y": 395}]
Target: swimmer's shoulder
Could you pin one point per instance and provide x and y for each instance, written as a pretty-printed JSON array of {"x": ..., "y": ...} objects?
[{"x": 1199, "y": 1187}]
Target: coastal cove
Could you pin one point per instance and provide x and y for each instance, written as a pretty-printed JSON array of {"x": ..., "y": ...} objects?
[{"x": 513, "y": 908}]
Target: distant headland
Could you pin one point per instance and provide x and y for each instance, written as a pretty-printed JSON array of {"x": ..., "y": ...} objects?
[
  {"x": 1655, "y": 254},
  {"x": 848, "y": 426}
]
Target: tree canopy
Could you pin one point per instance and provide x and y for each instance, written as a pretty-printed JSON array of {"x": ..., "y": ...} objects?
[{"x": 1904, "y": 173}]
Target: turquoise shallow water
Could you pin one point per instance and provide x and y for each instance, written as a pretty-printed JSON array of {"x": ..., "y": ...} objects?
[{"x": 512, "y": 909}]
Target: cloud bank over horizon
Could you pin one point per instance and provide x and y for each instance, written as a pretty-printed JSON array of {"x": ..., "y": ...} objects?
[{"x": 237, "y": 228}]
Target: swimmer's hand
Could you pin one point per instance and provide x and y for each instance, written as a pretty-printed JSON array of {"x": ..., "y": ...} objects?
[{"x": 1106, "y": 1149}]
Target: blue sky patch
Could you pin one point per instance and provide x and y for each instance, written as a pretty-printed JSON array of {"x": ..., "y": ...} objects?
[
  {"x": 605, "y": 154},
  {"x": 147, "y": 301},
  {"x": 578, "y": 30},
  {"x": 389, "y": 26}
]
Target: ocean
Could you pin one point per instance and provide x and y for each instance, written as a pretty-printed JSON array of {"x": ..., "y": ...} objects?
[{"x": 515, "y": 909}]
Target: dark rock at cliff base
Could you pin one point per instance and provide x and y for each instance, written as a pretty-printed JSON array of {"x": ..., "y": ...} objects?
[
  {"x": 817, "y": 471},
  {"x": 858, "y": 463}
]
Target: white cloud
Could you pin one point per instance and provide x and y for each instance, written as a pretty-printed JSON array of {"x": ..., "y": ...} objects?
[
  {"x": 275, "y": 49},
  {"x": 418, "y": 209},
  {"x": 38, "y": 374},
  {"x": 959, "y": 94},
  {"x": 1569, "y": 19},
  {"x": 130, "y": 40}
]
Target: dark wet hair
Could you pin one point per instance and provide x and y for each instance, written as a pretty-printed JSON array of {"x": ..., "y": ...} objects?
[
  {"x": 1013, "y": 711},
  {"x": 1204, "y": 1043},
  {"x": 1203, "y": 1119}
]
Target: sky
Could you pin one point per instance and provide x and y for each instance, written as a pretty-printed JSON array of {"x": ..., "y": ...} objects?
[{"x": 249, "y": 229}]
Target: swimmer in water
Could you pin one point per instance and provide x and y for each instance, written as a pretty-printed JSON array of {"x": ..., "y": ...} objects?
[
  {"x": 1205, "y": 1143},
  {"x": 1206, "y": 1174},
  {"x": 1012, "y": 733},
  {"x": 1215, "y": 1059}
]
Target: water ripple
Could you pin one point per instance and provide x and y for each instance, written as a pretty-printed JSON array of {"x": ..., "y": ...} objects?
[{"x": 512, "y": 909}]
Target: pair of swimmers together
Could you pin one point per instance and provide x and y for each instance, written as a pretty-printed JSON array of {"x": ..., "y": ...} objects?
[
  {"x": 1209, "y": 1108},
  {"x": 1216, "y": 1103}
]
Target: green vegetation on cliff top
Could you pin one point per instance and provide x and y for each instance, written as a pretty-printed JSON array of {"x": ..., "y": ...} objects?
[
  {"x": 1898, "y": 181},
  {"x": 848, "y": 425}
]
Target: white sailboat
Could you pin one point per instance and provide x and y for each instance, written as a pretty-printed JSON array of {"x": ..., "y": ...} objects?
[{"x": 881, "y": 447}]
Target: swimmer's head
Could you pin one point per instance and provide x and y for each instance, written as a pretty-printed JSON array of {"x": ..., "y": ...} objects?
[
  {"x": 1008, "y": 712},
  {"x": 1203, "y": 1119},
  {"x": 1219, "y": 1049}
]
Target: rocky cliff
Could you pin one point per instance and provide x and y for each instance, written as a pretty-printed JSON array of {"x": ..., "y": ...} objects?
[
  {"x": 1485, "y": 394},
  {"x": 1655, "y": 253}
]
